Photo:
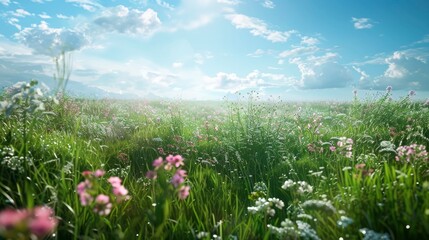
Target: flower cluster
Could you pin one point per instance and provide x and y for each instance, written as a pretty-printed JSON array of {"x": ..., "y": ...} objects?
[
  {"x": 172, "y": 164},
  {"x": 412, "y": 152},
  {"x": 323, "y": 205},
  {"x": 11, "y": 161},
  {"x": 291, "y": 230},
  {"x": 344, "y": 146},
  {"x": 266, "y": 207},
  {"x": 34, "y": 223},
  {"x": 301, "y": 186},
  {"x": 91, "y": 192}
]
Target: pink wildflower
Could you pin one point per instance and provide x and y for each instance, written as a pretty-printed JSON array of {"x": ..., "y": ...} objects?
[
  {"x": 181, "y": 172},
  {"x": 120, "y": 191},
  {"x": 151, "y": 175},
  {"x": 332, "y": 148},
  {"x": 175, "y": 160},
  {"x": 85, "y": 198},
  {"x": 99, "y": 173},
  {"x": 43, "y": 222},
  {"x": 176, "y": 180},
  {"x": 184, "y": 192},
  {"x": 114, "y": 181},
  {"x": 86, "y": 173},
  {"x": 9, "y": 218},
  {"x": 157, "y": 162},
  {"x": 102, "y": 205}
]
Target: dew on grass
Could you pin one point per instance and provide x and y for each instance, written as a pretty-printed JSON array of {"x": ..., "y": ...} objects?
[{"x": 408, "y": 227}]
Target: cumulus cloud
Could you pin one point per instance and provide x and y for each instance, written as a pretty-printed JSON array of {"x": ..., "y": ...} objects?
[
  {"x": 362, "y": 23},
  {"x": 318, "y": 72},
  {"x": 51, "y": 41},
  {"x": 89, "y": 5},
  {"x": 258, "y": 27},
  {"x": 229, "y": 2},
  {"x": 405, "y": 70},
  {"x": 129, "y": 21},
  {"x": 200, "y": 58}
]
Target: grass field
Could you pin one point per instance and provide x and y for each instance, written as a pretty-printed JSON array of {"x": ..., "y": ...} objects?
[{"x": 242, "y": 169}]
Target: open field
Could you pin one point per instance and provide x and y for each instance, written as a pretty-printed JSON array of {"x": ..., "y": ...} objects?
[{"x": 251, "y": 169}]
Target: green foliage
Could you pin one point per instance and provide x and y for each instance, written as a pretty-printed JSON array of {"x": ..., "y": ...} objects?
[{"x": 236, "y": 153}]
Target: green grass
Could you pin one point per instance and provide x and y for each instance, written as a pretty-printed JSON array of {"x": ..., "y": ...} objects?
[{"x": 229, "y": 147}]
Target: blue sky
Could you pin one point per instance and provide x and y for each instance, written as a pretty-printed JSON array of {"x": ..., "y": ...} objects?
[{"x": 206, "y": 49}]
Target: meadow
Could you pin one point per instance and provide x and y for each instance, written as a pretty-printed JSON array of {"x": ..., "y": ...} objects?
[{"x": 236, "y": 169}]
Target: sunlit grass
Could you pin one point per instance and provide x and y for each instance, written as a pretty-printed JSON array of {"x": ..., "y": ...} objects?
[{"x": 346, "y": 152}]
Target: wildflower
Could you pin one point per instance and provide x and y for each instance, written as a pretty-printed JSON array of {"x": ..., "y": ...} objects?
[
  {"x": 151, "y": 174},
  {"x": 158, "y": 162},
  {"x": 176, "y": 180},
  {"x": 287, "y": 184},
  {"x": 43, "y": 222},
  {"x": 184, "y": 192},
  {"x": 99, "y": 173},
  {"x": 9, "y": 218},
  {"x": 102, "y": 205},
  {"x": 332, "y": 148},
  {"x": 114, "y": 181},
  {"x": 175, "y": 160},
  {"x": 389, "y": 89}
]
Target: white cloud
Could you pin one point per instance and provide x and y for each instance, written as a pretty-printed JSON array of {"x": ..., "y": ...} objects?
[
  {"x": 268, "y": 4},
  {"x": 61, "y": 16},
  {"x": 44, "y": 15},
  {"x": 258, "y": 27},
  {"x": 362, "y": 23},
  {"x": 200, "y": 58},
  {"x": 165, "y": 4},
  {"x": 129, "y": 21},
  {"x": 5, "y": 2},
  {"x": 298, "y": 51},
  {"x": 309, "y": 41},
  {"x": 363, "y": 75},
  {"x": 259, "y": 53},
  {"x": 318, "y": 72},
  {"x": 51, "y": 41},
  {"x": 21, "y": 13},
  {"x": 231, "y": 82},
  {"x": 177, "y": 65},
  {"x": 405, "y": 69},
  {"x": 14, "y": 22},
  {"x": 89, "y": 5}
]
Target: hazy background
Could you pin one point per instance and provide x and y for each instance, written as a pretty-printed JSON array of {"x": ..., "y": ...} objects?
[{"x": 206, "y": 49}]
